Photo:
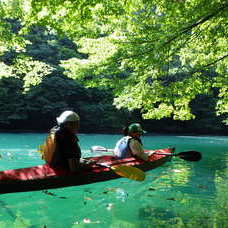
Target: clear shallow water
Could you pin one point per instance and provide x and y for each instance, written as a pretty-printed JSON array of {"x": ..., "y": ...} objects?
[{"x": 177, "y": 194}]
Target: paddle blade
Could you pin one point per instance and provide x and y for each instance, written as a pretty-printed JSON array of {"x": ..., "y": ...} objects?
[
  {"x": 130, "y": 172},
  {"x": 98, "y": 149},
  {"x": 190, "y": 155}
]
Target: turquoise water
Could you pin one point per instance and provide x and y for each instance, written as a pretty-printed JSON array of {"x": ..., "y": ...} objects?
[{"x": 177, "y": 194}]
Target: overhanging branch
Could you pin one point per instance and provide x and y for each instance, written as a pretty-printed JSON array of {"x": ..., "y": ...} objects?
[
  {"x": 201, "y": 21},
  {"x": 217, "y": 60}
]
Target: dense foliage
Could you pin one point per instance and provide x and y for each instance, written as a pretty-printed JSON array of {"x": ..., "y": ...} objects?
[
  {"x": 34, "y": 90},
  {"x": 164, "y": 59}
]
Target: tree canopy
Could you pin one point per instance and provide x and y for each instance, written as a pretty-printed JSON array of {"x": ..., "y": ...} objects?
[{"x": 157, "y": 56}]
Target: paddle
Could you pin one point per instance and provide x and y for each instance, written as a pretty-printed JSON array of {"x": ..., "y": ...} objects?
[
  {"x": 129, "y": 172},
  {"x": 100, "y": 149},
  {"x": 187, "y": 155}
]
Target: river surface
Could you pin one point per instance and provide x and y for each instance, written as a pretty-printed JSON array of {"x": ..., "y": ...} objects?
[{"x": 178, "y": 194}]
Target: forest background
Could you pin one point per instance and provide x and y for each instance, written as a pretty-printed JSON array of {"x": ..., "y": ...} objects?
[{"x": 161, "y": 63}]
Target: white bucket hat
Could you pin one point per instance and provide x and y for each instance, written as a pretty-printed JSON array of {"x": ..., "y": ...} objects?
[{"x": 67, "y": 116}]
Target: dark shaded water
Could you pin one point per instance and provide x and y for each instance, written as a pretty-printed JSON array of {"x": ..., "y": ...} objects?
[{"x": 178, "y": 194}]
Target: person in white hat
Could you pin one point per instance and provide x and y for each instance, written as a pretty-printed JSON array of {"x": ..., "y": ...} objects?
[
  {"x": 131, "y": 144},
  {"x": 67, "y": 151}
]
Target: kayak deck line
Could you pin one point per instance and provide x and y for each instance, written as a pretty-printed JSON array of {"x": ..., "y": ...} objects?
[{"x": 45, "y": 177}]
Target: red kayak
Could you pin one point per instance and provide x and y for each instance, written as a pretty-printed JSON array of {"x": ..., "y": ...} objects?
[{"x": 44, "y": 177}]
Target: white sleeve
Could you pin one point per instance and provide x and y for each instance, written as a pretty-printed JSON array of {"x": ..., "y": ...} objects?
[
  {"x": 137, "y": 149},
  {"x": 116, "y": 149}
]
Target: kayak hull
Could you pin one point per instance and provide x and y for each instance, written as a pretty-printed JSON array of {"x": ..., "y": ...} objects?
[{"x": 45, "y": 177}]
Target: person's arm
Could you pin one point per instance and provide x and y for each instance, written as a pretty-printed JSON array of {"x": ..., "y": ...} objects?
[
  {"x": 137, "y": 149},
  {"x": 73, "y": 164},
  {"x": 72, "y": 152}
]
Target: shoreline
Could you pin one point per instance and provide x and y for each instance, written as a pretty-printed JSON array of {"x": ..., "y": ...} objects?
[{"x": 115, "y": 133}]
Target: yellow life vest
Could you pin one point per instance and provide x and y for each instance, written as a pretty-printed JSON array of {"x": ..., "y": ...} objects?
[{"x": 48, "y": 148}]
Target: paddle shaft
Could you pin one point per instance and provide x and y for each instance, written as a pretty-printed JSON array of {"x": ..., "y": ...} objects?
[
  {"x": 102, "y": 150},
  {"x": 129, "y": 172},
  {"x": 187, "y": 155},
  {"x": 169, "y": 154}
]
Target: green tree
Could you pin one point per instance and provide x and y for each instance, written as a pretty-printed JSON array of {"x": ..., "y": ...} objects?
[
  {"x": 162, "y": 54},
  {"x": 11, "y": 97}
]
